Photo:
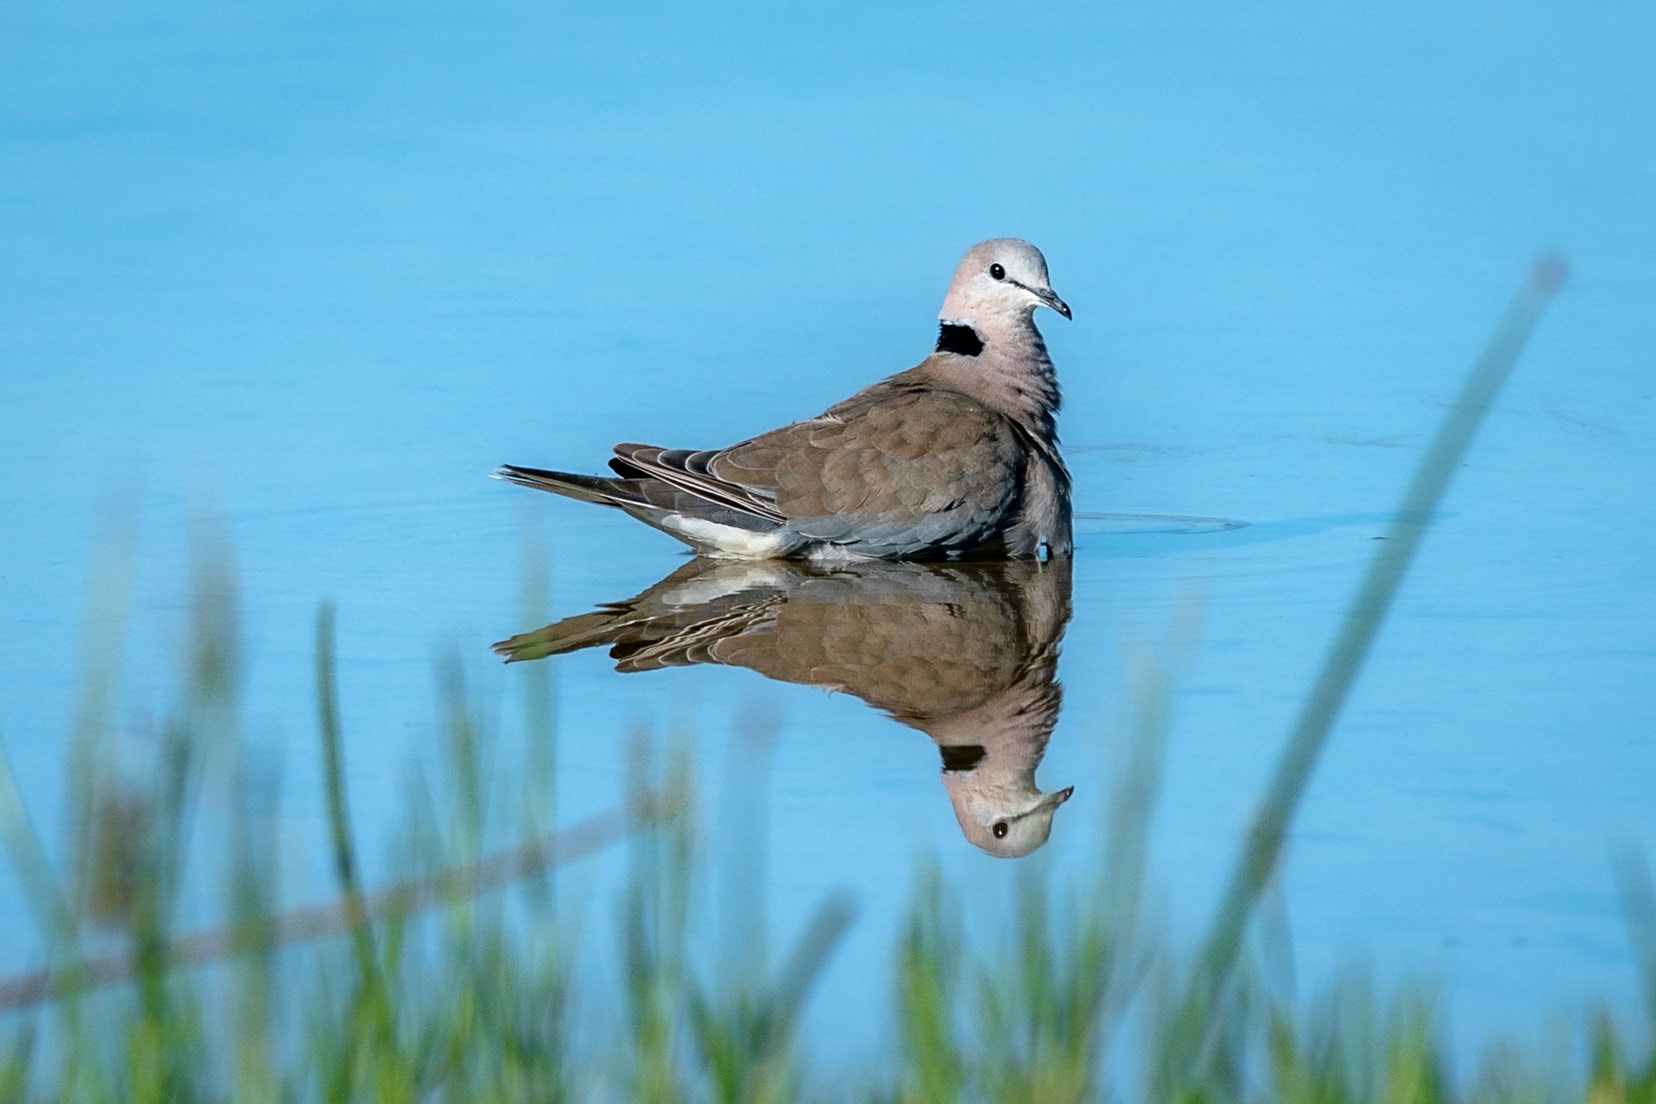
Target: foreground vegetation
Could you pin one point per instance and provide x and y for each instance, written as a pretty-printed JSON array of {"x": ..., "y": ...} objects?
[{"x": 468, "y": 980}]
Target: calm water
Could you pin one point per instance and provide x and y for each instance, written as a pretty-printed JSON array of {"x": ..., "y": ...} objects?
[{"x": 318, "y": 270}]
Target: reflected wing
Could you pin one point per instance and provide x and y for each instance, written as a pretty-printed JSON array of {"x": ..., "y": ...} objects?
[
  {"x": 673, "y": 623},
  {"x": 920, "y": 642}
]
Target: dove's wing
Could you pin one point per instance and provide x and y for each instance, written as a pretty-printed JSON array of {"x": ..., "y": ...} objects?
[{"x": 898, "y": 469}]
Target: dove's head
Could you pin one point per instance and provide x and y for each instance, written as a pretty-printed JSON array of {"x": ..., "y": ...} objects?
[
  {"x": 1000, "y": 810},
  {"x": 1000, "y": 281}
]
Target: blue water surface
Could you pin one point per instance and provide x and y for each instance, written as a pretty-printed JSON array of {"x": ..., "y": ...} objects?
[{"x": 315, "y": 269}]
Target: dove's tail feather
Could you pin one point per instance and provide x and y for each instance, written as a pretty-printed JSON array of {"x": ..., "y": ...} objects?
[
  {"x": 586, "y": 488},
  {"x": 712, "y": 528}
]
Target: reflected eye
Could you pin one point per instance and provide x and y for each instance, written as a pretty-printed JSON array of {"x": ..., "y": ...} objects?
[
  {"x": 998, "y": 273},
  {"x": 1000, "y": 825}
]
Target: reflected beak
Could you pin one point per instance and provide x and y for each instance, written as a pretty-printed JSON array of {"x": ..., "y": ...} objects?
[
  {"x": 1050, "y": 298},
  {"x": 1058, "y": 797}
]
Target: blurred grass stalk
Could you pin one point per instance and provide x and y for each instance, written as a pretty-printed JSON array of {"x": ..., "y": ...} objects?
[
  {"x": 263, "y": 930},
  {"x": 1262, "y": 850}
]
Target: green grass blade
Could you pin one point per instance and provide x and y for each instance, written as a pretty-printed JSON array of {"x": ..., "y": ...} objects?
[
  {"x": 339, "y": 825},
  {"x": 28, "y": 859},
  {"x": 1362, "y": 622}
]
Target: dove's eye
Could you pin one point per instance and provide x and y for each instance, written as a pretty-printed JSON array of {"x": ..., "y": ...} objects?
[
  {"x": 1000, "y": 825},
  {"x": 998, "y": 273}
]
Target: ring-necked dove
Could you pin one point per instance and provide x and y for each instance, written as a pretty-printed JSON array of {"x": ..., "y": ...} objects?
[
  {"x": 966, "y": 653},
  {"x": 956, "y": 457}
]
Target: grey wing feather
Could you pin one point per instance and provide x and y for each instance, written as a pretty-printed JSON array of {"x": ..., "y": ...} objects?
[
  {"x": 688, "y": 471},
  {"x": 646, "y": 498}
]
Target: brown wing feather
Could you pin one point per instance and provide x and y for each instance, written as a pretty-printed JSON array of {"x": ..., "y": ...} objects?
[{"x": 890, "y": 452}]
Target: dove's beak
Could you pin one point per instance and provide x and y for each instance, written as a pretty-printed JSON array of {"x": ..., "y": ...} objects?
[
  {"x": 1058, "y": 797},
  {"x": 1050, "y": 298}
]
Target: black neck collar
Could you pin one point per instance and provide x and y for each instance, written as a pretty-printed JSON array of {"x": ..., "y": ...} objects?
[{"x": 953, "y": 337}]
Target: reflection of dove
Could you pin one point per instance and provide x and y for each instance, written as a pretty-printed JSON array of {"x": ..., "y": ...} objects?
[
  {"x": 956, "y": 456},
  {"x": 967, "y": 653}
]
